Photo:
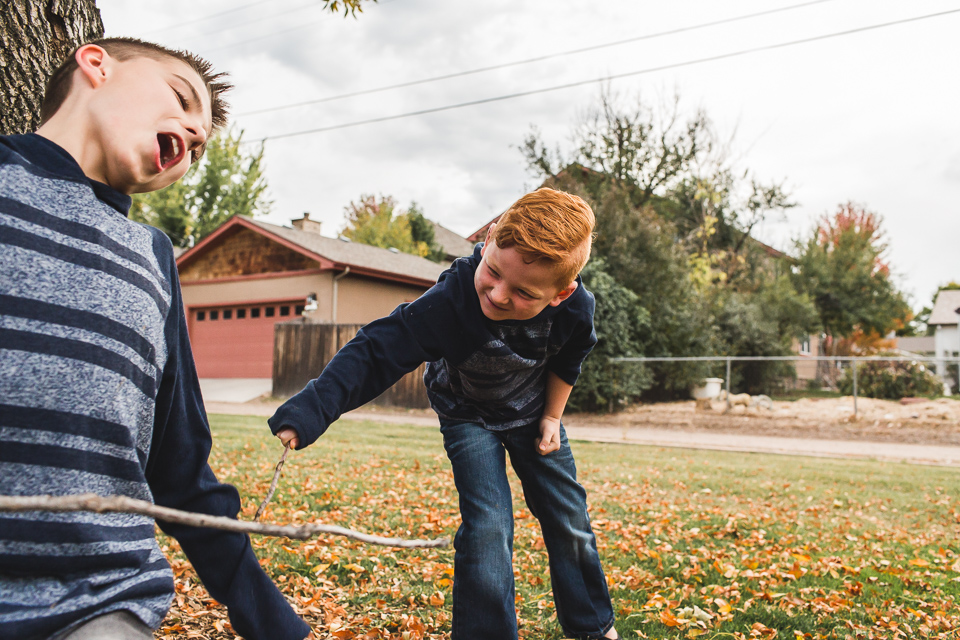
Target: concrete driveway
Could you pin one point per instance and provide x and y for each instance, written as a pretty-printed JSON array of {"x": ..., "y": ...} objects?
[
  {"x": 234, "y": 390},
  {"x": 580, "y": 428}
]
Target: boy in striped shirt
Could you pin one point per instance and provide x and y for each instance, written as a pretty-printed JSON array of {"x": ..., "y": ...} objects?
[{"x": 98, "y": 389}]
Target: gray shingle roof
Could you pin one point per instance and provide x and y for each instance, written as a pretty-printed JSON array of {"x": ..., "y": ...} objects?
[
  {"x": 454, "y": 245},
  {"x": 355, "y": 254},
  {"x": 917, "y": 344},
  {"x": 944, "y": 308}
]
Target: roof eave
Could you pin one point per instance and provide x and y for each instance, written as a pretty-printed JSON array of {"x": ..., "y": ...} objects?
[{"x": 325, "y": 263}]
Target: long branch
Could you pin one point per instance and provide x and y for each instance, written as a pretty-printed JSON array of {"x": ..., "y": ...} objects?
[{"x": 123, "y": 504}]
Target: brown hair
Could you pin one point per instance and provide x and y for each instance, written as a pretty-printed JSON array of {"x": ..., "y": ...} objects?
[
  {"x": 549, "y": 225},
  {"x": 58, "y": 86}
]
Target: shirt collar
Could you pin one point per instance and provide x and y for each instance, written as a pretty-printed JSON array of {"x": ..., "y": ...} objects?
[{"x": 53, "y": 158}]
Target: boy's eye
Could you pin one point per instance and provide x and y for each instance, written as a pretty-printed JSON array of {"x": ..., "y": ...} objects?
[
  {"x": 524, "y": 294},
  {"x": 182, "y": 99}
]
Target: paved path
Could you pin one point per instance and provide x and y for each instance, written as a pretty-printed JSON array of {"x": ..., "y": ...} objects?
[{"x": 580, "y": 429}]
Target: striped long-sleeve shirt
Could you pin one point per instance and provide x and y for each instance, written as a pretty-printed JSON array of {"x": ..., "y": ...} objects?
[{"x": 99, "y": 394}]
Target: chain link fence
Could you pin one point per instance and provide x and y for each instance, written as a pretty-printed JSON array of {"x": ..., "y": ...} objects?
[{"x": 942, "y": 364}]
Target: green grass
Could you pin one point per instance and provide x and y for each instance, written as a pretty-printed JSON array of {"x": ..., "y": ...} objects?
[{"x": 816, "y": 548}]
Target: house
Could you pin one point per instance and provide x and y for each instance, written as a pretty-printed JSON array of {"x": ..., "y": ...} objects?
[
  {"x": 924, "y": 346},
  {"x": 248, "y": 275},
  {"x": 454, "y": 245},
  {"x": 807, "y": 349},
  {"x": 944, "y": 317}
]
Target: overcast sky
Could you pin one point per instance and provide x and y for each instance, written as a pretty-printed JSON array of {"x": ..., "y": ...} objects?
[{"x": 870, "y": 116}]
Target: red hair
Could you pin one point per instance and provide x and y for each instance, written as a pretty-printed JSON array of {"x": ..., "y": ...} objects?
[{"x": 549, "y": 225}]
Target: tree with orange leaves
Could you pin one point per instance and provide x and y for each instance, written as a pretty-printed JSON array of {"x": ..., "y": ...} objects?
[{"x": 843, "y": 267}]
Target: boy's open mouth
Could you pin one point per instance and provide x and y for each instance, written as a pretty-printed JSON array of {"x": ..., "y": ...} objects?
[{"x": 171, "y": 149}]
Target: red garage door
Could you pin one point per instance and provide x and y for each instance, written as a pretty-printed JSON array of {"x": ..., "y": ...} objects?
[{"x": 237, "y": 341}]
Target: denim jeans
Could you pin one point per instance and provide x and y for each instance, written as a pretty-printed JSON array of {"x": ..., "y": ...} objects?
[{"x": 483, "y": 585}]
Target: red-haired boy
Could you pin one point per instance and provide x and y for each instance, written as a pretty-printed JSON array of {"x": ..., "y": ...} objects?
[
  {"x": 98, "y": 390},
  {"x": 504, "y": 332}
]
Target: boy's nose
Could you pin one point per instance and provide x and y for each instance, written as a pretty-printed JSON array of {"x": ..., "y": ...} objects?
[
  {"x": 198, "y": 133},
  {"x": 499, "y": 295}
]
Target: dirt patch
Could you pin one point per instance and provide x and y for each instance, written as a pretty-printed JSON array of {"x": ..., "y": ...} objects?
[{"x": 931, "y": 422}]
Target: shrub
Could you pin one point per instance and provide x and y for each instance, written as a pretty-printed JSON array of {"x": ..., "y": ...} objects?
[
  {"x": 890, "y": 380},
  {"x": 619, "y": 320}
]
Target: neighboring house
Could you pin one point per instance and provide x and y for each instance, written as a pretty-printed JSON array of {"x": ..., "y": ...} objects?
[
  {"x": 481, "y": 234},
  {"x": 925, "y": 346},
  {"x": 806, "y": 349},
  {"x": 454, "y": 245},
  {"x": 946, "y": 337},
  {"x": 248, "y": 275}
]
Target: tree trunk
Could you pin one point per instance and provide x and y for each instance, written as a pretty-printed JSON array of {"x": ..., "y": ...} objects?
[{"x": 35, "y": 35}]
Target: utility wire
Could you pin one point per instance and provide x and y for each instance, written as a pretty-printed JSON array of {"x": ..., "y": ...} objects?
[
  {"x": 205, "y": 18},
  {"x": 617, "y": 76},
  {"x": 549, "y": 56},
  {"x": 302, "y": 25},
  {"x": 259, "y": 19}
]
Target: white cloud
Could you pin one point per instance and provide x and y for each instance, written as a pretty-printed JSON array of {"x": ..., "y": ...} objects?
[{"x": 868, "y": 117}]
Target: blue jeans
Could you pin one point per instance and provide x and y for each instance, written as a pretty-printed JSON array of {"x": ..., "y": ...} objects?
[{"x": 483, "y": 585}]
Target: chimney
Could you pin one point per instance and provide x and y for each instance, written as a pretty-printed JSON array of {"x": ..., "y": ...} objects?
[{"x": 306, "y": 224}]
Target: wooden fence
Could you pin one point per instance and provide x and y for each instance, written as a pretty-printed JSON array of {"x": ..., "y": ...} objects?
[{"x": 302, "y": 349}]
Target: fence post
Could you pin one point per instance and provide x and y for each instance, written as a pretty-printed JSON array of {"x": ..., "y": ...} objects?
[
  {"x": 728, "y": 385},
  {"x": 854, "y": 388},
  {"x": 610, "y": 369}
]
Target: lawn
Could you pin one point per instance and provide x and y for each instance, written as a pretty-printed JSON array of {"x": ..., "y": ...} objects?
[{"x": 695, "y": 543}]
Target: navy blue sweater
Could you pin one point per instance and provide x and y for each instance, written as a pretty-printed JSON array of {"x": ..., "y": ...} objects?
[
  {"x": 98, "y": 393},
  {"x": 490, "y": 373}
]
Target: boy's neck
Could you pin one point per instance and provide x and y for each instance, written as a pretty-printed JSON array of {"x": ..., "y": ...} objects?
[{"x": 72, "y": 136}]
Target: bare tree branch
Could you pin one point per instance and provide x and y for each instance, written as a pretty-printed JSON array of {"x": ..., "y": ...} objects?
[
  {"x": 273, "y": 484},
  {"x": 123, "y": 504}
]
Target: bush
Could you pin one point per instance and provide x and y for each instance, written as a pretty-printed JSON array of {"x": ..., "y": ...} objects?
[
  {"x": 619, "y": 320},
  {"x": 890, "y": 380}
]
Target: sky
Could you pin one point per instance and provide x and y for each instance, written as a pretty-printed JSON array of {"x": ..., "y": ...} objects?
[{"x": 869, "y": 116}]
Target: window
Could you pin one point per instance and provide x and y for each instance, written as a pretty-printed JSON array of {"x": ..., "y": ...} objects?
[
  {"x": 241, "y": 314},
  {"x": 285, "y": 310},
  {"x": 201, "y": 316},
  {"x": 298, "y": 310},
  {"x": 269, "y": 312},
  {"x": 805, "y": 347},
  {"x": 255, "y": 312},
  {"x": 214, "y": 314},
  {"x": 227, "y": 314}
]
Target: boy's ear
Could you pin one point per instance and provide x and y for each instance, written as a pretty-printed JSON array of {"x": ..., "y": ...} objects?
[
  {"x": 564, "y": 293},
  {"x": 488, "y": 238},
  {"x": 94, "y": 63}
]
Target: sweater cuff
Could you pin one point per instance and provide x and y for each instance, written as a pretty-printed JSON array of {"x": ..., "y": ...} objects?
[
  {"x": 300, "y": 413},
  {"x": 264, "y": 613}
]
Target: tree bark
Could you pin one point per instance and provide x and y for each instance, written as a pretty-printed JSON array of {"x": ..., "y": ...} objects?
[{"x": 35, "y": 36}]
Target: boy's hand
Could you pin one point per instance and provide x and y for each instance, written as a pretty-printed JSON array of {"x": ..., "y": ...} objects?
[
  {"x": 549, "y": 440},
  {"x": 288, "y": 436}
]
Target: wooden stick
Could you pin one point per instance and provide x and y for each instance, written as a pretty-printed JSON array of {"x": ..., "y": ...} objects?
[
  {"x": 273, "y": 483},
  {"x": 123, "y": 504}
]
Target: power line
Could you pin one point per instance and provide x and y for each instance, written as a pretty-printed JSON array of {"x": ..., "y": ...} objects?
[
  {"x": 266, "y": 36},
  {"x": 301, "y": 7},
  {"x": 302, "y": 25},
  {"x": 205, "y": 18},
  {"x": 549, "y": 56},
  {"x": 618, "y": 76}
]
